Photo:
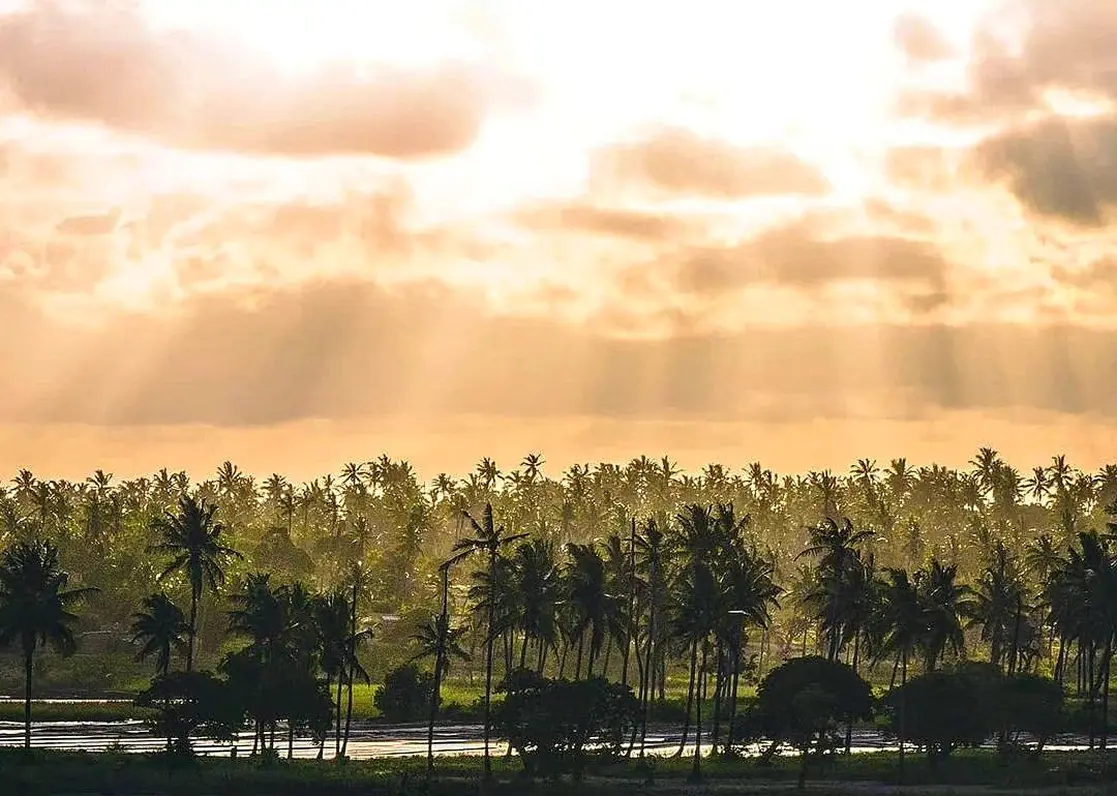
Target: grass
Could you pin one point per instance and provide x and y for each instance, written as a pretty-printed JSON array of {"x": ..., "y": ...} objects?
[
  {"x": 876, "y": 773},
  {"x": 73, "y": 711}
]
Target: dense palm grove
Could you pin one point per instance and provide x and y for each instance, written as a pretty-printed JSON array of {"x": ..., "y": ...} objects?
[{"x": 638, "y": 573}]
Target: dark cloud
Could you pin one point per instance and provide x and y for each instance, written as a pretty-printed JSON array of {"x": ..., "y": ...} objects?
[
  {"x": 105, "y": 66},
  {"x": 799, "y": 256},
  {"x": 1066, "y": 45},
  {"x": 592, "y": 219},
  {"x": 1065, "y": 169},
  {"x": 100, "y": 224},
  {"x": 345, "y": 350},
  {"x": 681, "y": 162},
  {"x": 920, "y": 40},
  {"x": 1099, "y": 276}
]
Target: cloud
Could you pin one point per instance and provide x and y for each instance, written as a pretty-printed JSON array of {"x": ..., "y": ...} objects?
[
  {"x": 800, "y": 256},
  {"x": 587, "y": 218},
  {"x": 920, "y": 40},
  {"x": 1064, "y": 169},
  {"x": 107, "y": 67},
  {"x": 677, "y": 161},
  {"x": 101, "y": 224},
  {"x": 1064, "y": 46}
]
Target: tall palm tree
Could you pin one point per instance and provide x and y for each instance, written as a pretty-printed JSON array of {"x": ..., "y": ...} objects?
[
  {"x": 35, "y": 608},
  {"x": 192, "y": 538},
  {"x": 162, "y": 629},
  {"x": 902, "y": 630},
  {"x": 998, "y": 607},
  {"x": 537, "y": 585},
  {"x": 593, "y": 610},
  {"x": 331, "y": 619},
  {"x": 835, "y": 546},
  {"x": 489, "y": 539},
  {"x": 945, "y": 602}
]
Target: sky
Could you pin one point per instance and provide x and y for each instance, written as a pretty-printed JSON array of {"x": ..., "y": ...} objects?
[{"x": 294, "y": 234}]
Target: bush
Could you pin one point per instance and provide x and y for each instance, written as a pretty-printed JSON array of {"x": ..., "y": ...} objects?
[
  {"x": 405, "y": 695},
  {"x": 190, "y": 704},
  {"x": 965, "y": 706},
  {"x": 551, "y": 723},
  {"x": 805, "y": 701},
  {"x": 1029, "y": 703},
  {"x": 944, "y": 710}
]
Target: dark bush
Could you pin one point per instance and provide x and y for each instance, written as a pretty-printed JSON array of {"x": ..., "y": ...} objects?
[
  {"x": 969, "y": 704},
  {"x": 405, "y": 695},
  {"x": 190, "y": 704},
  {"x": 552, "y": 723},
  {"x": 804, "y": 703}
]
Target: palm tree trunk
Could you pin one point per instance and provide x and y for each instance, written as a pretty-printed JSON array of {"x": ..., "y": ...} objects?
[
  {"x": 849, "y": 724},
  {"x": 629, "y": 620},
  {"x": 348, "y": 709},
  {"x": 439, "y": 664},
  {"x": 193, "y": 629},
  {"x": 581, "y": 649},
  {"x": 322, "y": 743},
  {"x": 337, "y": 712},
  {"x": 902, "y": 708},
  {"x": 28, "y": 671},
  {"x": 1105, "y": 692},
  {"x": 719, "y": 693},
  {"x": 489, "y": 669},
  {"x": 689, "y": 696},
  {"x": 736, "y": 679},
  {"x": 352, "y": 663},
  {"x": 696, "y": 769}
]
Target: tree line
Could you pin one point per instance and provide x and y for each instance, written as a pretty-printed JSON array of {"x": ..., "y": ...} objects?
[{"x": 633, "y": 574}]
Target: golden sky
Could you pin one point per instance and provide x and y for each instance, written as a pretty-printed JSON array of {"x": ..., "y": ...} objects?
[{"x": 293, "y": 233}]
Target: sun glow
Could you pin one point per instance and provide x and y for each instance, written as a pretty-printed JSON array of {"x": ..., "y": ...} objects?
[{"x": 301, "y": 36}]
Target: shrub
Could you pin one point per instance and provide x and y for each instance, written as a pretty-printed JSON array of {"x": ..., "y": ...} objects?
[
  {"x": 805, "y": 701},
  {"x": 967, "y": 705},
  {"x": 551, "y": 723},
  {"x": 405, "y": 695}
]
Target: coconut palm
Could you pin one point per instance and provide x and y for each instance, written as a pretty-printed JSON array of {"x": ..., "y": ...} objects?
[
  {"x": 191, "y": 537},
  {"x": 162, "y": 629},
  {"x": 901, "y": 626},
  {"x": 488, "y": 539},
  {"x": 944, "y": 603},
  {"x": 35, "y": 609}
]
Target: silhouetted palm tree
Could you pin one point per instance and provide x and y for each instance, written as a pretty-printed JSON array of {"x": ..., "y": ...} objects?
[
  {"x": 35, "y": 608},
  {"x": 192, "y": 538},
  {"x": 162, "y": 629},
  {"x": 489, "y": 539}
]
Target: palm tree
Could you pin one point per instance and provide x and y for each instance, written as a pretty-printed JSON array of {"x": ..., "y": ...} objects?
[
  {"x": 592, "y": 609},
  {"x": 35, "y": 608},
  {"x": 902, "y": 630},
  {"x": 331, "y": 620},
  {"x": 998, "y": 607},
  {"x": 192, "y": 538},
  {"x": 431, "y": 635},
  {"x": 162, "y": 629},
  {"x": 537, "y": 585},
  {"x": 944, "y": 603},
  {"x": 489, "y": 539},
  {"x": 835, "y": 545}
]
